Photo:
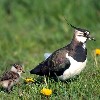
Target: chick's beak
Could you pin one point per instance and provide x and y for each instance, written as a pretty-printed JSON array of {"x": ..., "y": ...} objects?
[{"x": 23, "y": 71}]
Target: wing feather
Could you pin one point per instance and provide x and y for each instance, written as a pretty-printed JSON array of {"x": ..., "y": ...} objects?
[
  {"x": 9, "y": 75},
  {"x": 56, "y": 63}
]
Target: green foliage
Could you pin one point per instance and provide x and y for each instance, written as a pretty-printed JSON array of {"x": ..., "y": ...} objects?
[{"x": 29, "y": 28}]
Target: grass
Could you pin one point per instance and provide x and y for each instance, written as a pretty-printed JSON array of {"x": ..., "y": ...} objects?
[{"x": 34, "y": 27}]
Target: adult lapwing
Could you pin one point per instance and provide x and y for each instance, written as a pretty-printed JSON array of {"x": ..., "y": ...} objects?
[
  {"x": 11, "y": 77},
  {"x": 67, "y": 61}
]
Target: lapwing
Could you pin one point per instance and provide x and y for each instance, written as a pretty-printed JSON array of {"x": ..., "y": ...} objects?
[
  {"x": 67, "y": 61},
  {"x": 11, "y": 77}
]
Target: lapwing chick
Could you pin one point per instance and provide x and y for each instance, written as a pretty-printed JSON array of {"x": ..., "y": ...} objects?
[
  {"x": 10, "y": 78},
  {"x": 67, "y": 61}
]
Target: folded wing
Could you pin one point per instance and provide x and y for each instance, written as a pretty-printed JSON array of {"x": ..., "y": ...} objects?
[{"x": 55, "y": 64}]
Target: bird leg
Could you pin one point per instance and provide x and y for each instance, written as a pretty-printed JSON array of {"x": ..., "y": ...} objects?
[{"x": 9, "y": 88}]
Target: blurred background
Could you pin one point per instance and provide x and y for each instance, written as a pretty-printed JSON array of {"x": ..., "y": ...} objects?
[{"x": 29, "y": 28}]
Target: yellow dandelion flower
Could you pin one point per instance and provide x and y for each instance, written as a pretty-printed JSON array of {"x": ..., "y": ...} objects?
[
  {"x": 46, "y": 92},
  {"x": 29, "y": 80},
  {"x": 97, "y": 51}
]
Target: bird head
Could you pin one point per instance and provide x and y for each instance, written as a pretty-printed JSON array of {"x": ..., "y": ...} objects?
[
  {"x": 17, "y": 68},
  {"x": 81, "y": 35}
]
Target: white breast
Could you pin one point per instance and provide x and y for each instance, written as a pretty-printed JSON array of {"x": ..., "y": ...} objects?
[{"x": 74, "y": 69}]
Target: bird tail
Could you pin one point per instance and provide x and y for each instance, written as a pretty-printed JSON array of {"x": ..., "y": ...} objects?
[
  {"x": 41, "y": 69},
  {"x": 36, "y": 70}
]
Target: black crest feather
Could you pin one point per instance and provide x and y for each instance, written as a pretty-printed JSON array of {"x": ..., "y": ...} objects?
[{"x": 79, "y": 29}]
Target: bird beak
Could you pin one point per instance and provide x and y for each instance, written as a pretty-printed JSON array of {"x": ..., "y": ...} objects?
[
  {"x": 23, "y": 71},
  {"x": 90, "y": 37}
]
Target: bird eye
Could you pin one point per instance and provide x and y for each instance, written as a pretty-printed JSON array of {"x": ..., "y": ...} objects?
[{"x": 85, "y": 34}]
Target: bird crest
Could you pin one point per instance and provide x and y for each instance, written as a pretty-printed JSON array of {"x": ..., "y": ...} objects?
[{"x": 74, "y": 27}]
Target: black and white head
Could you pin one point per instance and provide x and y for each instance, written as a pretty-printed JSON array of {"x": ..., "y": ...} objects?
[
  {"x": 17, "y": 68},
  {"x": 81, "y": 35}
]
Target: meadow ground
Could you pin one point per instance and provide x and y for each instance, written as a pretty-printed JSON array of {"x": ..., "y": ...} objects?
[{"x": 29, "y": 28}]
